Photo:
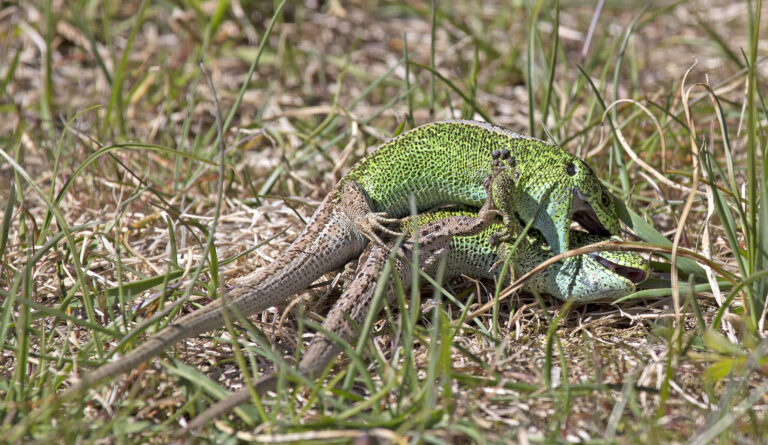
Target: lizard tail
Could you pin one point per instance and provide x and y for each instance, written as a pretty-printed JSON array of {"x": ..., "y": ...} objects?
[
  {"x": 354, "y": 302},
  {"x": 353, "y": 305},
  {"x": 318, "y": 357},
  {"x": 264, "y": 384},
  {"x": 327, "y": 243},
  {"x": 308, "y": 368}
]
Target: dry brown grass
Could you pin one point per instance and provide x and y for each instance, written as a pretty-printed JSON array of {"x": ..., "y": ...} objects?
[{"x": 319, "y": 60}]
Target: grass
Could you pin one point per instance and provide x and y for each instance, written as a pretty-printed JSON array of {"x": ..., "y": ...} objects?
[{"x": 118, "y": 214}]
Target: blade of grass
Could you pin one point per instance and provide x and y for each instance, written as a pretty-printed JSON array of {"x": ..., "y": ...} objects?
[
  {"x": 10, "y": 72},
  {"x": 61, "y": 220},
  {"x": 531, "y": 64},
  {"x": 432, "y": 67},
  {"x": 115, "y": 104},
  {"x": 552, "y": 69},
  {"x": 407, "y": 67}
]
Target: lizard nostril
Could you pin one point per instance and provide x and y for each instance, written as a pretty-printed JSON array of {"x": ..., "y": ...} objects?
[{"x": 570, "y": 169}]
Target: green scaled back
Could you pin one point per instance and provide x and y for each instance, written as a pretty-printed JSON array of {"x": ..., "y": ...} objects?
[
  {"x": 437, "y": 163},
  {"x": 448, "y": 162}
]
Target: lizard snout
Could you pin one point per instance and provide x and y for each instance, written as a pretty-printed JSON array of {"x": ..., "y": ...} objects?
[{"x": 633, "y": 274}]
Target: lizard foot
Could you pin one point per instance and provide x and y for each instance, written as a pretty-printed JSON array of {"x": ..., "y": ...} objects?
[
  {"x": 346, "y": 276},
  {"x": 510, "y": 270},
  {"x": 357, "y": 207},
  {"x": 373, "y": 224},
  {"x": 376, "y": 220}
]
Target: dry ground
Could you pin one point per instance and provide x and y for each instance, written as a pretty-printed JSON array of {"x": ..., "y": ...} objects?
[{"x": 330, "y": 86}]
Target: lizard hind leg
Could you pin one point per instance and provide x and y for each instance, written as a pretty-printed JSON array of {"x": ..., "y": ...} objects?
[
  {"x": 357, "y": 207},
  {"x": 356, "y": 302},
  {"x": 354, "y": 305}
]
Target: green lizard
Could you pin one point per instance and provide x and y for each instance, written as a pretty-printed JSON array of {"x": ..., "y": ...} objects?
[
  {"x": 588, "y": 277},
  {"x": 438, "y": 163}
]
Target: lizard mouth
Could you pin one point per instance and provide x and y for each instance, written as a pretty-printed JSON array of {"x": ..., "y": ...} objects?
[
  {"x": 585, "y": 215},
  {"x": 634, "y": 275}
]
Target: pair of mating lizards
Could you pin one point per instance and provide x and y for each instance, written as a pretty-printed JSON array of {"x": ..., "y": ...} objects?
[{"x": 463, "y": 163}]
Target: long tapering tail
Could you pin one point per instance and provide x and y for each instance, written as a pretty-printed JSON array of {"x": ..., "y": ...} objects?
[{"x": 327, "y": 243}]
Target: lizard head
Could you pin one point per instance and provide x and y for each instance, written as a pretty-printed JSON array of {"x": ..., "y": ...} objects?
[
  {"x": 589, "y": 277},
  {"x": 554, "y": 189}
]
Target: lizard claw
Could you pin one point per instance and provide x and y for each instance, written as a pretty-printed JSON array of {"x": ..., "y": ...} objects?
[
  {"x": 372, "y": 224},
  {"x": 375, "y": 222},
  {"x": 382, "y": 218},
  {"x": 497, "y": 264}
]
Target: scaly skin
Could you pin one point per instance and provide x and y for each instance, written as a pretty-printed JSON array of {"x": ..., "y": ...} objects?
[
  {"x": 589, "y": 277},
  {"x": 439, "y": 163}
]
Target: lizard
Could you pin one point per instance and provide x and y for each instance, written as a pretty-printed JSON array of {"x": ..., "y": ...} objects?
[
  {"x": 588, "y": 277},
  {"x": 439, "y": 163}
]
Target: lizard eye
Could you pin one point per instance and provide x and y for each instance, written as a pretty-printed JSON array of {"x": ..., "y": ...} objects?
[
  {"x": 570, "y": 169},
  {"x": 605, "y": 199}
]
